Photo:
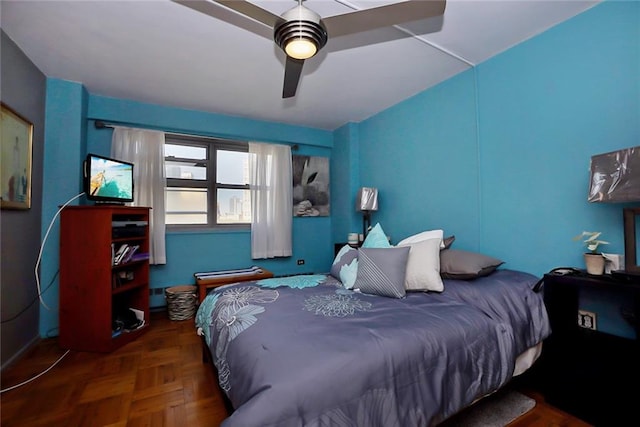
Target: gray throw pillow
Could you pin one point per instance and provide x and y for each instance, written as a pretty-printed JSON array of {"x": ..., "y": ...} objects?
[
  {"x": 381, "y": 271},
  {"x": 465, "y": 265},
  {"x": 447, "y": 242}
]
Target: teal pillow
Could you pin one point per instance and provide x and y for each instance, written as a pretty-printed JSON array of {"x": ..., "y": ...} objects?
[{"x": 376, "y": 238}]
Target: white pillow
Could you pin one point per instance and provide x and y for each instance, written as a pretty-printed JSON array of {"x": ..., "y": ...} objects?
[
  {"x": 423, "y": 266},
  {"x": 430, "y": 234}
]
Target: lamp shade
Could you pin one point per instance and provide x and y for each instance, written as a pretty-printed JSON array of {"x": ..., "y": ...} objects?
[{"x": 367, "y": 199}]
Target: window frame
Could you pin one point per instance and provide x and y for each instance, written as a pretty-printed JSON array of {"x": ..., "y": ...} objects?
[{"x": 212, "y": 145}]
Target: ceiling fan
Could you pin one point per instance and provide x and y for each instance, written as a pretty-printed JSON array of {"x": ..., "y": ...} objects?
[{"x": 301, "y": 33}]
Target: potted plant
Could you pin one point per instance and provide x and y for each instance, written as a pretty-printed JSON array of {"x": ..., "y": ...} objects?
[{"x": 593, "y": 259}]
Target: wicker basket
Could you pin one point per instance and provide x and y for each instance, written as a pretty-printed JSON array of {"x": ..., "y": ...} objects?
[{"x": 181, "y": 302}]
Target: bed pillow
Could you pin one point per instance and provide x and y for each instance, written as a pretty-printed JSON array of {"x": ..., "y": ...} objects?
[
  {"x": 425, "y": 235},
  {"x": 465, "y": 265},
  {"x": 423, "y": 266},
  {"x": 381, "y": 271},
  {"x": 447, "y": 242},
  {"x": 376, "y": 238},
  {"x": 345, "y": 266}
]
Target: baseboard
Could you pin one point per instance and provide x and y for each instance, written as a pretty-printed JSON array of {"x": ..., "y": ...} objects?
[{"x": 35, "y": 340}]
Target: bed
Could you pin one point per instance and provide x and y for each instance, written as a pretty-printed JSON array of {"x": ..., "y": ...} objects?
[{"x": 311, "y": 350}]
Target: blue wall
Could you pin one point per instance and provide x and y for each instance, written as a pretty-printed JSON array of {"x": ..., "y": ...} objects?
[
  {"x": 70, "y": 134},
  {"x": 345, "y": 170},
  {"x": 65, "y": 136},
  {"x": 545, "y": 108},
  {"x": 189, "y": 252},
  {"x": 422, "y": 156},
  {"x": 497, "y": 155}
]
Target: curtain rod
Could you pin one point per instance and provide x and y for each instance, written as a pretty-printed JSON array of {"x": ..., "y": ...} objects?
[{"x": 99, "y": 124}]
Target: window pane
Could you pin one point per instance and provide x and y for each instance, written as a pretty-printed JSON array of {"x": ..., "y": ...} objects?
[
  {"x": 232, "y": 167},
  {"x": 186, "y": 205},
  {"x": 185, "y": 151},
  {"x": 184, "y": 219},
  {"x": 186, "y": 170},
  {"x": 234, "y": 206}
]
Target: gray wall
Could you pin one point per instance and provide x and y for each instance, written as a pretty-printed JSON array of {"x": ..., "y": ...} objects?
[{"x": 22, "y": 87}]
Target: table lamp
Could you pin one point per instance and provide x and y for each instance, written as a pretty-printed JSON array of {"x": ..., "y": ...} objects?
[{"x": 366, "y": 202}]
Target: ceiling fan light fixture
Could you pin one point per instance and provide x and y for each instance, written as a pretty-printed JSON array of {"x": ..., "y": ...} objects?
[
  {"x": 302, "y": 34},
  {"x": 300, "y": 48}
]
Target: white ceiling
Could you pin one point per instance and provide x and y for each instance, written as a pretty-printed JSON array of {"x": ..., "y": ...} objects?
[{"x": 160, "y": 52}]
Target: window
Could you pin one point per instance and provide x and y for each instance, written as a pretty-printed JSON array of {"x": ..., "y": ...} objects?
[{"x": 205, "y": 172}]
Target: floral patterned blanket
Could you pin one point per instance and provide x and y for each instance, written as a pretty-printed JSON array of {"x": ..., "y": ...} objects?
[{"x": 304, "y": 350}]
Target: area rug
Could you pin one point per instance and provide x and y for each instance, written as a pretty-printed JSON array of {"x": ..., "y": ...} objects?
[{"x": 496, "y": 410}]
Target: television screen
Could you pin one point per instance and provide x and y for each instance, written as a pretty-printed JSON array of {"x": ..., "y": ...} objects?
[
  {"x": 108, "y": 180},
  {"x": 615, "y": 176}
]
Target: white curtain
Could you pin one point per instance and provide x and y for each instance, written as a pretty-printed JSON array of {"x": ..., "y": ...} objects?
[
  {"x": 271, "y": 182},
  {"x": 145, "y": 149}
]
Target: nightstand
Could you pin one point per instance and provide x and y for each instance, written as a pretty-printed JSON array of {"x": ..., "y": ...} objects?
[{"x": 591, "y": 374}]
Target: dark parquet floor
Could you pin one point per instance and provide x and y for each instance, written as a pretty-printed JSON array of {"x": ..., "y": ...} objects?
[{"x": 157, "y": 380}]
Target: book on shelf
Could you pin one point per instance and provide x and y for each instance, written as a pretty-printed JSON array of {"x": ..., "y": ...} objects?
[
  {"x": 125, "y": 254},
  {"x": 131, "y": 250},
  {"x": 140, "y": 256},
  {"x": 117, "y": 255}
]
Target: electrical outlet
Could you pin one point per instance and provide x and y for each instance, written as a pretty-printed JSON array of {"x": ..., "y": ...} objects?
[
  {"x": 300, "y": 262},
  {"x": 587, "y": 319}
]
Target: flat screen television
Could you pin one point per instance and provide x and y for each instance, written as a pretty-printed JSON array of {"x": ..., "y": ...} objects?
[{"x": 108, "y": 180}]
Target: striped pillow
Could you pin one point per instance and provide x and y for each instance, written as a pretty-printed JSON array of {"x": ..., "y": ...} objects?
[{"x": 381, "y": 271}]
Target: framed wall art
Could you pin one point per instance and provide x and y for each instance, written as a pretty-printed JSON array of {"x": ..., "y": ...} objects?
[
  {"x": 16, "y": 142},
  {"x": 310, "y": 185}
]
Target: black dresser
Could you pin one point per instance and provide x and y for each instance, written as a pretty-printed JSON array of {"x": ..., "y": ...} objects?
[{"x": 591, "y": 374}]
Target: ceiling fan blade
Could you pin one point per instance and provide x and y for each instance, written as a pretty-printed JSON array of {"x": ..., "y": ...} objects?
[
  {"x": 382, "y": 16},
  {"x": 252, "y": 11},
  {"x": 292, "y": 72},
  {"x": 239, "y": 6}
]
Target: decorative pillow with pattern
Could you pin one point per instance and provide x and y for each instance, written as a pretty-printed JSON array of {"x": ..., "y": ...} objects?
[
  {"x": 381, "y": 271},
  {"x": 345, "y": 266}
]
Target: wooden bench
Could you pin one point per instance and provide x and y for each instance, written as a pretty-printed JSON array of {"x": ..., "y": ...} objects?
[{"x": 220, "y": 278}]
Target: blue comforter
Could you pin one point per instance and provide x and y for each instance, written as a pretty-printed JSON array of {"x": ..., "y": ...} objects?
[{"x": 304, "y": 351}]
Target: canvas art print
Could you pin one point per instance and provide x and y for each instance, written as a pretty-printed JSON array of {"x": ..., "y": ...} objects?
[
  {"x": 310, "y": 186},
  {"x": 16, "y": 160}
]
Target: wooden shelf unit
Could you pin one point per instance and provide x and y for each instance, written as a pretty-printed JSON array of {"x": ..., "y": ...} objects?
[{"x": 91, "y": 290}]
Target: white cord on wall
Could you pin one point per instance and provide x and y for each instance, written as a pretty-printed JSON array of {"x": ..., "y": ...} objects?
[
  {"x": 42, "y": 247},
  {"x": 46, "y": 235}
]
